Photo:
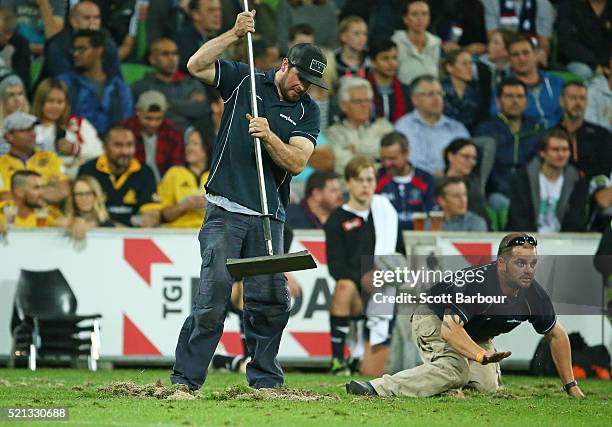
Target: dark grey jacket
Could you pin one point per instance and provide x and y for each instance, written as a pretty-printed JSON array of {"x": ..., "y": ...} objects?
[{"x": 525, "y": 200}]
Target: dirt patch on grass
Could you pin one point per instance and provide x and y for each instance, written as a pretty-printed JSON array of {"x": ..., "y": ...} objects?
[
  {"x": 456, "y": 393},
  {"x": 279, "y": 393},
  {"x": 148, "y": 391},
  {"x": 499, "y": 395},
  {"x": 179, "y": 392}
]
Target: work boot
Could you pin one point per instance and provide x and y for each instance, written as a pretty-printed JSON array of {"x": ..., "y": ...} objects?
[{"x": 362, "y": 388}]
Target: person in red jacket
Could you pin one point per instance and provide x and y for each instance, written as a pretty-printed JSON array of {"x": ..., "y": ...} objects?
[{"x": 159, "y": 144}]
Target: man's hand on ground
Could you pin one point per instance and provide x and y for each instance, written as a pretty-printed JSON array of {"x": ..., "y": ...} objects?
[
  {"x": 576, "y": 392},
  {"x": 495, "y": 357}
]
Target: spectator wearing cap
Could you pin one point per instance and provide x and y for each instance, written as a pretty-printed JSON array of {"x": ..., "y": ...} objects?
[
  {"x": 548, "y": 195},
  {"x": 99, "y": 97},
  {"x": 181, "y": 190},
  {"x": 186, "y": 97},
  {"x": 543, "y": 89},
  {"x": 584, "y": 31},
  {"x": 205, "y": 23},
  {"x": 356, "y": 134},
  {"x": 391, "y": 98},
  {"x": 452, "y": 197},
  {"x": 591, "y": 145},
  {"x": 14, "y": 48},
  {"x": 427, "y": 128},
  {"x": 418, "y": 49},
  {"x": 28, "y": 204},
  {"x": 19, "y": 133},
  {"x": 533, "y": 19},
  {"x": 158, "y": 143},
  {"x": 128, "y": 185},
  {"x": 322, "y": 195},
  {"x": 58, "y": 58}
]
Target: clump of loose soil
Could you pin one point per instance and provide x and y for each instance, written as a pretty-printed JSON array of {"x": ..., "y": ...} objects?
[{"x": 151, "y": 391}]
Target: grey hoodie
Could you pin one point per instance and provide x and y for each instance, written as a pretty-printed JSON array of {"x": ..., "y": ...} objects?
[{"x": 413, "y": 63}]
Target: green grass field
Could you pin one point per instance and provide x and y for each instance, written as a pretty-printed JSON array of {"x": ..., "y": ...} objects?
[{"x": 310, "y": 399}]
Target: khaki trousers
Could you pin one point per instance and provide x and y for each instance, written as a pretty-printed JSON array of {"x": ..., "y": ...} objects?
[{"x": 443, "y": 368}]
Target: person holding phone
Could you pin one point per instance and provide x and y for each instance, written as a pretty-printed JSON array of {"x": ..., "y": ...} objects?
[{"x": 71, "y": 137}]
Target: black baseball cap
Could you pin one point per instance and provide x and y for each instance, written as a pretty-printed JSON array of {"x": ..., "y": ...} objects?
[{"x": 310, "y": 62}]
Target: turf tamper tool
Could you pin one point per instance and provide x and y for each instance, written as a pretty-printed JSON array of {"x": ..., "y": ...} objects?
[{"x": 269, "y": 264}]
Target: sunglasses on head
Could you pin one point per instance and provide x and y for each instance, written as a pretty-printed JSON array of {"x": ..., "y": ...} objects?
[{"x": 521, "y": 240}]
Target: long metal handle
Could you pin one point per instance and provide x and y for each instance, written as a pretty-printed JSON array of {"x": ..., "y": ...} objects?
[{"x": 258, "y": 159}]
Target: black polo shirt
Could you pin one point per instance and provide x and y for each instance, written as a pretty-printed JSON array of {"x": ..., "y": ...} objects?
[
  {"x": 124, "y": 194},
  {"x": 233, "y": 173},
  {"x": 487, "y": 320}
]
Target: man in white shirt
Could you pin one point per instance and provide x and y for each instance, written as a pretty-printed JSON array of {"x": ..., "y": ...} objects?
[{"x": 549, "y": 196}]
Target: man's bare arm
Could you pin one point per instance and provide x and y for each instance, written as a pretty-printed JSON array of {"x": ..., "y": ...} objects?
[
  {"x": 453, "y": 333},
  {"x": 561, "y": 353},
  {"x": 52, "y": 24},
  {"x": 202, "y": 63}
]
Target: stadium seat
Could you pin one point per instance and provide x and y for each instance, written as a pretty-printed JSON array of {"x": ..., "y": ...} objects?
[
  {"x": 35, "y": 70},
  {"x": 45, "y": 324},
  {"x": 133, "y": 72},
  {"x": 567, "y": 76}
]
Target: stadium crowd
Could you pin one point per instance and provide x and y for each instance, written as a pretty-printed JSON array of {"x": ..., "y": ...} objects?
[
  {"x": 496, "y": 113},
  {"x": 491, "y": 114}
]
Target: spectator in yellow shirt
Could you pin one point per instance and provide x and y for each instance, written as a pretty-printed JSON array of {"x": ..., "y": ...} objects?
[
  {"x": 20, "y": 134},
  {"x": 181, "y": 190},
  {"x": 28, "y": 208}
]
